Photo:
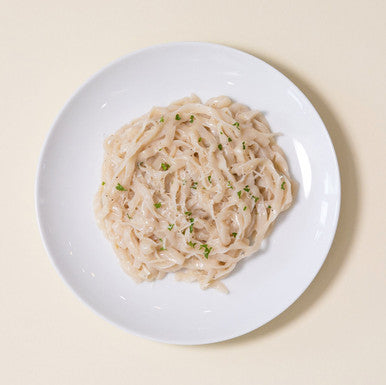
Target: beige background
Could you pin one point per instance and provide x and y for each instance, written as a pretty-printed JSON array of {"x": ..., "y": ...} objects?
[{"x": 334, "y": 50}]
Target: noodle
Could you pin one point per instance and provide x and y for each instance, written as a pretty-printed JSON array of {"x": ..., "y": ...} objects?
[{"x": 191, "y": 188}]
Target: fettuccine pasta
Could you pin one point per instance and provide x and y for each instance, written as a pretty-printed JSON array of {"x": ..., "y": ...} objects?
[{"x": 192, "y": 189}]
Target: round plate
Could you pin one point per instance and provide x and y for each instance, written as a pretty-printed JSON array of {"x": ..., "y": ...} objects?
[{"x": 263, "y": 285}]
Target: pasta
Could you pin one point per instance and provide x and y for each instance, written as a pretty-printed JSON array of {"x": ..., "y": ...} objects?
[{"x": 192, "y": 189}]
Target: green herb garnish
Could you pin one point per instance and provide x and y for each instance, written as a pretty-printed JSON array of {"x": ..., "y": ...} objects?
[
  {"x": 162, "y": 248},
  {"x": 191, "y": 220},
  {"x": 103, "y": 183},
  {"x": 165, "y": 166},
  {"x": 194, "y": 185},
  {"x": 269, "y": 207},
  {"x": 191, "y": 244},
  {"x": 229, "y": 139},
  {"x": 120, "y": 187},
  {"x": 209, "y": 179},
  {"x": 170, "y": 226},
  {"x": 229, "y": 185},
  {"x": 237, "y": 124},
  {"x": 191, "y": 118},
  {"x": 162, "y": 119},
  {"x": 282, "y": 186},
  {"x": 220, "y": 146},
  {"x": 234, "y": 234},
  {"x": 246, "y": 188},
  {"x": 207, "y": 250},
  {"x": 199, "y": 139},
  {"x": 245, "y": 207},
  {"x": 178, "y": 117},
  {"x": 157, "y": 205},
  {"x": 188, "y": 213},
  {"x": 239, "y": 193},
  {"x": 128, "y": 216},
  {"x": 243, "y": 145},
  {"x": 255, "y": 198}
]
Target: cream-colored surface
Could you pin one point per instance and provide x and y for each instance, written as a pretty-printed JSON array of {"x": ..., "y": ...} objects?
[{"x": 335, "y": 52}]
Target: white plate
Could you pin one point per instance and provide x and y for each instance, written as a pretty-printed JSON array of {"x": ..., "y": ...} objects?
[{"x": 263, "y": 285}]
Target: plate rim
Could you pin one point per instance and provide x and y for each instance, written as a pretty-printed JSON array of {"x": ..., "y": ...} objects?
[{"x": 38, "y": 178}]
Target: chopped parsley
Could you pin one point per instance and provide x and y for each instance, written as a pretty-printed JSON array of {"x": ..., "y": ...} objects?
[
  {"x": 103, "y": 183},
  {"x": 207, "y": 250},
  {"x": 188, "y": 213},
  {"x": 239, "y": 193},
  {"x": 165, "y": 166},
  {"x": 191, "y": 118},
  {"x": 229, "y": 185},
  {"x": 128, "y": 216},
  {"x": 194, "y": 185},
  {"x": 160, "y": 149},
  {"x": 191, "y": 244},
  {"x": 157, "y": 205},
  {"x": 269, "y": 207},
  {"x": 245, "y": 207},
  {"x": 255, "y": 198},
  {"x": 120, "y": 187},
  {"x": 234, "y": 234},
  {"x": 237, "y": 124},
  {"x": 199, "y": 139},
  {"x": 220, "y": 146},
  {"x": 191, "y": 220},
  {"x": 246, "y": 188},
  {"x": 243, "y": 145},
  {"x": 229, "y": 139},
  {"x": 162, "y": 248},
  {"x": 162, "y": 119},
  {"x": 209, "y": 178},
  {"x": 282, "y": 186},
  {"x": 221, "y": 132},
  {"x": 170, "y": 226},
  {"x": 178, "y": 117}
]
